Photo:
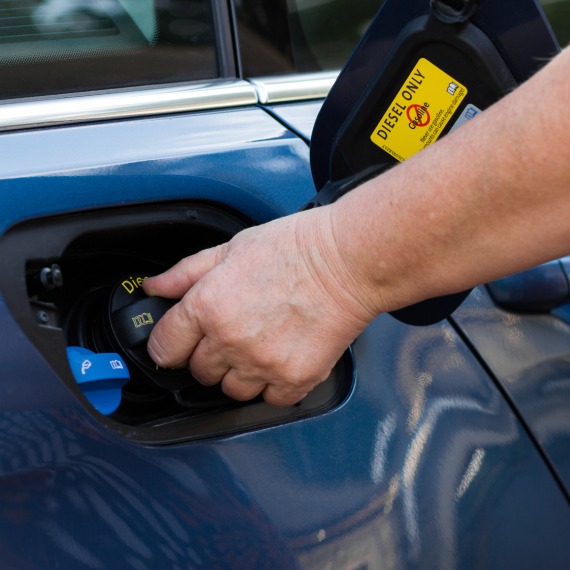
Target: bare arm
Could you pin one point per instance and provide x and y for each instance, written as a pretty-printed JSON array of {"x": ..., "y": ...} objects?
[
  {"x": 272, "y": 311},
  {"x": 489, "y": 200}
]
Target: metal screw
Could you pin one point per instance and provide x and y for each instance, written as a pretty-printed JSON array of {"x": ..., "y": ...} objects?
[{"x": 42, "y": 318}]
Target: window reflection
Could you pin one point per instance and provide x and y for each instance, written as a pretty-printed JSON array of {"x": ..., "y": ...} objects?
[
  {"x": 67, "y": 46},
  {"x": 36, "y": 29},
  {"x": 299, "y": 36}
]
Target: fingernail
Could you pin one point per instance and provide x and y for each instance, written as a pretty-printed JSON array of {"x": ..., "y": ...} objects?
[
  {"x": 147, "y": 286},
  {"x": 152, "y": 352}
]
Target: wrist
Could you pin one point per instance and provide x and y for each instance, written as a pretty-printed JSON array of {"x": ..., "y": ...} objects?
[
  {"x": 335, "y": 267},
  {"x": 367, "y": 230}
]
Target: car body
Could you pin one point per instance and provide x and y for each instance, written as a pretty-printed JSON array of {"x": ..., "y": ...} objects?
[{"x": 444, "y": 446}]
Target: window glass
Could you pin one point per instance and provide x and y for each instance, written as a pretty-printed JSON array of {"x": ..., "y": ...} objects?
[
  {"x": 330, "y": 30},
  {"x": 299, "y": 35},
  {"x": 60, "y": 46},
  {"x": 284, "y": 36},
  {"x": 558, "y": 13}
]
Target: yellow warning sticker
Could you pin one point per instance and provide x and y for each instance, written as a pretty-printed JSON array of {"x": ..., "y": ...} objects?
[{"x": 420, "y": 111}]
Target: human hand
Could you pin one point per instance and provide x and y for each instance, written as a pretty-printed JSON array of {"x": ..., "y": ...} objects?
[{"x": 269, "y": 312}]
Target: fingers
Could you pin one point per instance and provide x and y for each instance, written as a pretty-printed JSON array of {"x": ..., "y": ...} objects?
[
  {"x": 209, "y": 367},
  {"x": 277, "y": 396},
  {"x": 234, "y": 386},
  {"x": 174, "y": 282},
  {"x": 175, "y": 336},
  {"x": 206, "y": 363},
  {"x": 250, "y": 317},
  {"x": 234, "y": 383}
]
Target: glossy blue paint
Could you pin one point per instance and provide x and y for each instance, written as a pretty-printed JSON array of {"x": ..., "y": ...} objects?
[
  {"x": 530, "y": 356},
  {"x": 298, "y": 117},
  {"x": 423, "y": 466},
  {"x": 562, "y": 312},
  {"x": 27, "y": 383},
  {"x": 188, "y": 156},
  {"x": 537, "y": 289}
]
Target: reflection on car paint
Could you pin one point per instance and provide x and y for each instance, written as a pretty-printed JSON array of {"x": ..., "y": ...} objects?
[{"x": 530, "y": 357}]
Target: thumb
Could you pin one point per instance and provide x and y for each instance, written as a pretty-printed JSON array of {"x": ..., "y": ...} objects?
[{"x": 176, "y": 281}]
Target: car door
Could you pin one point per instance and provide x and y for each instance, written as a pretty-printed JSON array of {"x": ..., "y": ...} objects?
[{"x": 133, "y": 134}]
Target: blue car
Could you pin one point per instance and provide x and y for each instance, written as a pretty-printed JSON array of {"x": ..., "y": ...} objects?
[{"x": 136, "y": 132}]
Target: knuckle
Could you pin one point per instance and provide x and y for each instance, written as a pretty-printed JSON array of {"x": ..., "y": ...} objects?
[
  {"x": 198, "y": 373},
  {"x": 234, "y": 386},
  {"x": 298, "y": 378},
  {"x": 229, "y": 336},
  {"x": 298, "y": 382},
  {"x": 203, "y": 370},
  {"x": 275, "y": 400},
  {"x": 183, "y": 312},
  {"x": 201, "y": 375},
  {"x": 271, "y": 360},
  {"x": 281, "y": 399},
  {"x": 235, "y": 393}
]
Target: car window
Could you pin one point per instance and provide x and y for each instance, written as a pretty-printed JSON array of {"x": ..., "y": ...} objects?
[
  {"x": 67, "y": 46},
  {"x": 558, "y": 13},
  {"x": 288, "y": 36},
  {"x": 285, "y": 36},
  {"x": 62, "y": 46}
]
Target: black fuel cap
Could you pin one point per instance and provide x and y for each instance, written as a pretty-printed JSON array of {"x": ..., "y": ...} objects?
[
  {"x": 134, "y": 322},
  {"x": 130, "y": 318}
]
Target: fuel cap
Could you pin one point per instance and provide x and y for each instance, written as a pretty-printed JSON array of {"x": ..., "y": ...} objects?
[{"x": 130, "y": 318}]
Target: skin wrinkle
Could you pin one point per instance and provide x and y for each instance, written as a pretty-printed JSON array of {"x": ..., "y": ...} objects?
[
  {"x": 160, "y": 353},
  {"x": 350, "y": 244},
  {"x": 485, "y": 201},
  {"x": 381, "y": 274},
  {"x": 352, "y": 281},
  {"x": 272, "y": 359},
  {"x": 333, "y": 266}
]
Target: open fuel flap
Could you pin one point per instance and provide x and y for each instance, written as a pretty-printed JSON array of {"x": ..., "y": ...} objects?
[
  {"x": 74, "y": 284},
  {"x": 422, "y": 69}
]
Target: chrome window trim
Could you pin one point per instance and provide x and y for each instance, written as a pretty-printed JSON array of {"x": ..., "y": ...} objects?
[
  {"x": 121, "y": 104},
  {"x": 81, "y": 108},
  {"x": 288, "y": 88}
]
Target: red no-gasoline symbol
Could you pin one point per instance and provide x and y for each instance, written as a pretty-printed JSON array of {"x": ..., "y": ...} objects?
[{"x": 418, "y": 115}]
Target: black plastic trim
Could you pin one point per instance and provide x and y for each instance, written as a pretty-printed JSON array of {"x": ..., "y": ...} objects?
[
  {"x": 29, "y": 246},
  {"x": 224, "y": 40}
]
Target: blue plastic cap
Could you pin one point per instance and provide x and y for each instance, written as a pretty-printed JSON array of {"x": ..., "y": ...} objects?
[{"x": 100, "y": 377}]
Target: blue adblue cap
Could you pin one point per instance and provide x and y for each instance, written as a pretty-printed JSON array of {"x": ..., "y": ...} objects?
[{"x": 100, "y": 377}]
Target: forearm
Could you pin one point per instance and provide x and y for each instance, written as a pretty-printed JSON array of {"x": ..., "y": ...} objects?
[{"x": 488, "y": 200}]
